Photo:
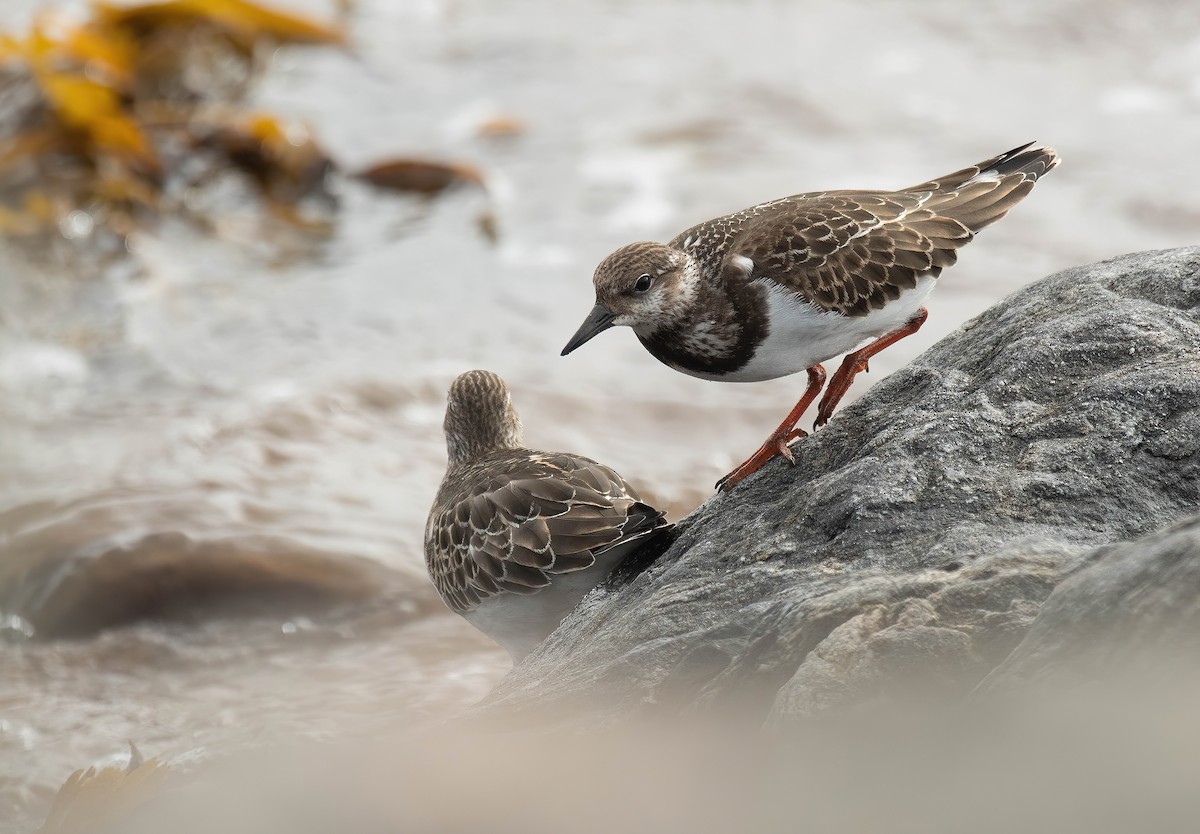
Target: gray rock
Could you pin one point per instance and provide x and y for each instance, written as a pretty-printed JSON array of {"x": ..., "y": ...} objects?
[
  {"x": 1129, "y": 606},
  {"x": 924, "y": 526}
]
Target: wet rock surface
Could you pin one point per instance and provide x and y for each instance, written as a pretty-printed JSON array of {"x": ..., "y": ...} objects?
[{"x": 914, "y": 543}]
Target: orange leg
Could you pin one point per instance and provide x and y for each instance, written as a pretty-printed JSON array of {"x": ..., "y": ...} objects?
[
  {"x": 857, "y": 361},
  {"x": 777, "y": 443}
]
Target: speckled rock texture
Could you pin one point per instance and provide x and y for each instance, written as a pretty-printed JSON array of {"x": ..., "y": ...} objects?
[
  {"x": 1129, "y": 606},
  {"x": 913, "y": 544}
]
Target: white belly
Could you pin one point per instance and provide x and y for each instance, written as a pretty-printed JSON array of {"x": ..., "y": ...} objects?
[
  {"x": 520, "y": 623},
  {"x": 801, "y": 335}
]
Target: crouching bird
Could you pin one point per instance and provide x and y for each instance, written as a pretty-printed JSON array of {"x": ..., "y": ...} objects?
[{"x": 516, "y": 537}]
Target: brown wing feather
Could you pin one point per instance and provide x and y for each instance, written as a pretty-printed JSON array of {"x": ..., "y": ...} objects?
[
  {"x": 507, "y": 533},
  {"x": 853, "y": 251}
]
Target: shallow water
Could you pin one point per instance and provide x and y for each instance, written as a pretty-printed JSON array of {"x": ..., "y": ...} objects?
[{"x": 222, "y": 397}]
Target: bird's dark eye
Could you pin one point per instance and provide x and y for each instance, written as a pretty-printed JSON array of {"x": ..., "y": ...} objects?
[{"x": 643, "y": 283}]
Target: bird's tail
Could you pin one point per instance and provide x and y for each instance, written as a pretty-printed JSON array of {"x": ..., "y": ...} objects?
[
  {"x": 643, "y": 520},
  {"x": 980, "y": 195}
]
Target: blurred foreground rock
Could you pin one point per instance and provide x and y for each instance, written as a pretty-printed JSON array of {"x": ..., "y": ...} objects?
[{"x": 918, "y": 537}]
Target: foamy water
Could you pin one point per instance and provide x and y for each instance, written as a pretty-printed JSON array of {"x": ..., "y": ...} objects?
[{"x": 215, "y": 398}]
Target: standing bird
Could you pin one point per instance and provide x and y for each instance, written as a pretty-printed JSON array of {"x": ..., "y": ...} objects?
[
  {"x": 783, "y": 286},
  {"x": 516, "y": 538}
]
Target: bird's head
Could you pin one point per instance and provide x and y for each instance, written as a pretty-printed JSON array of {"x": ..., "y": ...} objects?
[
  {"x": 644, "y": 286},
  {"x": 480, "y": 417}
]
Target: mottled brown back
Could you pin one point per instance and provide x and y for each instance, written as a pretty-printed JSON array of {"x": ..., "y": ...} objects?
[
  {"x": 511, "y": 520},
  {"x": 853, "y": 251}
]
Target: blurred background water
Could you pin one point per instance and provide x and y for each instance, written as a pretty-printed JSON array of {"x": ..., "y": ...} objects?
[{"x": 218, "y": 423}]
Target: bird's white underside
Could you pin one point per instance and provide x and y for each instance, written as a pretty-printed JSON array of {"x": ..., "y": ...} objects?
[
  {"x": 520, "y": 622},
  {"x": 801, "y": 335}
]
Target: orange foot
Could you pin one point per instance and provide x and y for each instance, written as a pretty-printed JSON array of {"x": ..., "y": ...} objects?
[{"x": 777, "y": 443}]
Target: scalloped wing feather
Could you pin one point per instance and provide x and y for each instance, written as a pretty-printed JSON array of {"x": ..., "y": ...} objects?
[
  {"x": 852, "y": 252},
  {"x": 515, "y": 533}
]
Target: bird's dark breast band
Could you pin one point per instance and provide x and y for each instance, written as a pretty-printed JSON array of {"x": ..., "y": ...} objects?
[{"x": 745, "y": 306}]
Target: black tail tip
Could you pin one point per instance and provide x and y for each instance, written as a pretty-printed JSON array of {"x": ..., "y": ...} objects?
[{"x": 1031, "y": 159}]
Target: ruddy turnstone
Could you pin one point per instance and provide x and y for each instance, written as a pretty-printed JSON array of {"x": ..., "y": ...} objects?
[
  {"x": 516, "y": 537},
  {"x": 786, "y": 285}
]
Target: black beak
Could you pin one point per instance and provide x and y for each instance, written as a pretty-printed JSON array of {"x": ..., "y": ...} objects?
[{"x": 599, "y": 320}]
